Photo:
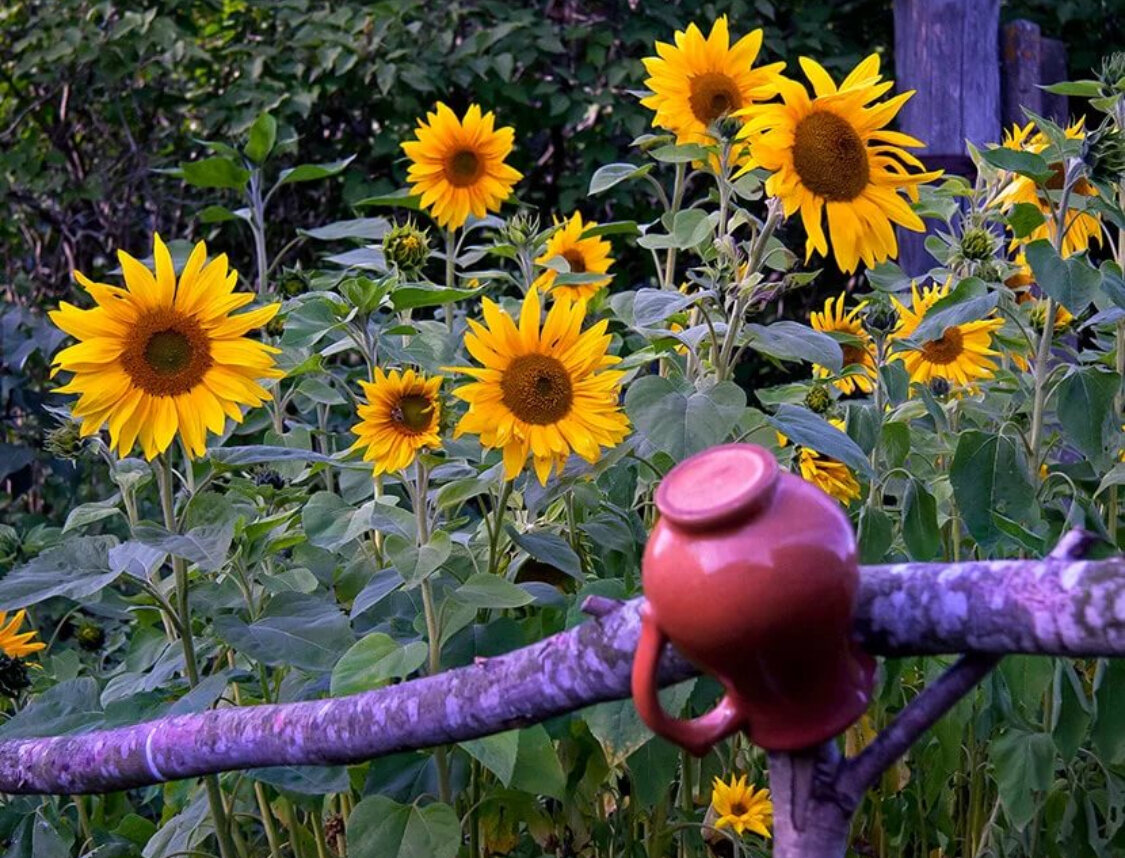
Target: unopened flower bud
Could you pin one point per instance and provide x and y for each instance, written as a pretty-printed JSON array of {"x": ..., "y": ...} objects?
[
  {"x": 939, "y": 387},
  {"x": 275, "y": 327},
  {"x": 13, "y": 676},
  {"x": 292, "y": 282},
  {"x": 818, "y": 399},
  {"x": 879, "y": 317},
  {"x": 90, "y": 636},
  {"x": 978, "y": 244},
  {"x": 64, "y": 441},
  {"x": 406, "y": 247}
]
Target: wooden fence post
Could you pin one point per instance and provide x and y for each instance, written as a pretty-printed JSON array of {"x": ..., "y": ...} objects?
[
  {"x": 1030, "y": 60},
  {"x": 948, "y": 51}
]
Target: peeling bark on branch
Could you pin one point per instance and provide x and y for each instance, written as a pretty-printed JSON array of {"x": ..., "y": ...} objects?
[{"x": 1051, "y": 607}]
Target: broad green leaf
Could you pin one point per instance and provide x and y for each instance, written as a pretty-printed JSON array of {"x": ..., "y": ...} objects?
[
  {"x": 681, "y": 153},
  {"x": 1107, "y": 735},
  {"x": 485, "y": 590},
  {"x": 874, "y": 535},
  {"x": 1073, "y": 711},
  {"x": 69, "y": 707},
  {"x": 370, "y": 228},
  {"x": 417, "y": 563},
  {"x": 497, "y": 753},
  {"x": 549, "y": 548},
  {"x": 1085, "y": 409},
  {"x": 680, "y": 422},
  {"x": 207, "y": 543},
  {"x": 896, "y": 442},
  {"x": 401, "y": 198},
  {"x": 652, "y": 306},
  {"x": 967, "y": 302},
  {"x": 1073, "y": 281},
  {"x": 796, "y": 342},
  {"x": 807, "y": 429},
  {"x": 919, "y": 522},
  {"x": 312, "y": 172},
  {"x": 990, "y": 472},
  {"x": 263, "y": 135},
  {"x": 620, "y": 730},
  {"x": 537, "y": 768},
  {"x": 606, "y": 177},
  {"x": 651, "y": 768},
  {"x": 76, "y": 569},
  {"x": 1024, "y": 764},
  {"x": 330, "y": 523},
  {"x": 215, "y": 172},
  {"x": 1024, "y": 219},
  {"x": 1078, "y": 88},
  {"x": 1018, "y": 161},
  {"x": 88, "y": 513},
  {"x": 379, "y": 827},
  {"x": 305, "y": 780},
  {"x": 373, "y": 661},
  {"x": 263, "y": 454},
  {"x": 296, "y": 629},
  {"x": 424, "y": 295}
]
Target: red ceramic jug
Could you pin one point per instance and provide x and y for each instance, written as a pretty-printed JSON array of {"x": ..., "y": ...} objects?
[{"x": 752, "y": 574}]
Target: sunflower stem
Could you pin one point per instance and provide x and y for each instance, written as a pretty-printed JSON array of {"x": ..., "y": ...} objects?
[
  {"x": 677, "y": 201},
  {"x": 450, "y": 273},
  {"x": 267, "y": 820},
  {"x": 497, "y": 526},
  {"x": 433, "y": 628},
  {"x": 258, "y": 228},
  {"x": 191, "y": 668}
]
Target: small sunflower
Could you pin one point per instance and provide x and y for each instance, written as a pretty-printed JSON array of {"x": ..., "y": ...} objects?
[
  {"x": 583, "y": 255},
  {"x": 962, "y": 355},
  {"x": 402, "y": 416},
  {"x": 164, "y": 356},
  {"x": 457, "y": 166},
  {"x": 541, "y": 391},
  {"x": 829, "y": 475},
  {"x": 701, "y": 79},
  {"x": 12, "y": 643},
  {"x": 834, "y": 320},
  {"x": 833, "y": 154},
  {"x": 741, "y": 807},
  {"x": 1081, "y": 226}
]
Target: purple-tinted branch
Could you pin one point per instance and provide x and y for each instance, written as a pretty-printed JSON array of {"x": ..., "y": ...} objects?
[{"x": 1051, "y": 607}]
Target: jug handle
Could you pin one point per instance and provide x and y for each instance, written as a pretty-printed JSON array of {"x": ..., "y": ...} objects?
[{"x": 697, "y": 735}]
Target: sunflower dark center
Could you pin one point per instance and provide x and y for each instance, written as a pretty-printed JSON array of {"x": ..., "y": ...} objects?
[
  {"x": 713, "y": 95},
  {"x": 853, "y": 354},
  {"x": 575, "y": 260},
  {"x": 463, "y": 168},
  {"x": 830, "y": 157},
  {"x": 414, "y": 413},
  {"x": 166, "y": 353},
  {"x": 945, "y": 350},
  {"x": 537, "y": 389},
  {"x": 738, "y": 808}
]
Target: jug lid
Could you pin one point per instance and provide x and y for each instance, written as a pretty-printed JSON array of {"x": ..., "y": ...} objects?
[{"x": 718, "y": 486}]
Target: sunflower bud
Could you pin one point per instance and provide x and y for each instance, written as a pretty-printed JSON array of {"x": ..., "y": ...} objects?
[
  {"x": 818, "y": 399},
  {"x": 64, "y": 442},
  {"x": 275, "y": 327},
  {"x": 1107, "y": 155},
  {"x": 90, "y": 636},
  {"x": 406, "y": 247},
  {"x": 292, "y": 282},
  {"x": 334, "y": 830},
  {"x": 264, "y": 476},
  {"x": 978, "y": 244},
  {"x": 13, "y": 676},
  {"x": 522, "y": 228},
  {"x": 879, "y": 317},
  {"x": 9, "y": 542},
  {"x": 1112, "y": 74},
  {"x": 939, "y": 387}
]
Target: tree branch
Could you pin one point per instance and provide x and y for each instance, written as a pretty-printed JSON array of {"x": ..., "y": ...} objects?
[{"x": 1051, "y": 607}]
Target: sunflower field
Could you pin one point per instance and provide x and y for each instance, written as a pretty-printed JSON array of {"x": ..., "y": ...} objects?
[{"x": 285, "y": 462}]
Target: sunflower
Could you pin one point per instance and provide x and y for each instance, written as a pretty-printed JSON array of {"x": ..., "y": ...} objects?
[
  {"x": 862, "y": 355},
  {"x": 833, "y": 152},
  {"x": 829, "y": 475},
  {"x": 741, "y": 807},
  {"x": 163, "y": 356},
  {"x": 583, "y": 255},
  {"x": 402, "y": 415},
  {"x": 962, "y": 354},
  {"x": 546, "y": 391},
  {"x": 457, "y": 166},
  {"x": 699, "y": 80},
  {"x": 1081, "y": 226},
  {"x": 16, "y": 645}
]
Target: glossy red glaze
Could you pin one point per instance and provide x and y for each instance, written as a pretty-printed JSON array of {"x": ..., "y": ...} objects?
[{"x": 752, "y": 574}]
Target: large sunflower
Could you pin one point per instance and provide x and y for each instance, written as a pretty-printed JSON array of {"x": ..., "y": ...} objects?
[
  {"x": 583, "y": 255},
  {"x": 833, "y": 152},
  {"x": 402, "y": 415},
  {"x": 12, "y": 643},
  {"x": 741, "y": 807},
  {"x": 1081, "y": 226},
  {"x": 859, "y": 355},
  {"x": 699, "y": 80},
  {"x": 457, "y": 166},
  {"x": 162, "y": 356},
  {"x": 962, "y": 355},
  {"x": 541, "y": 391}
]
